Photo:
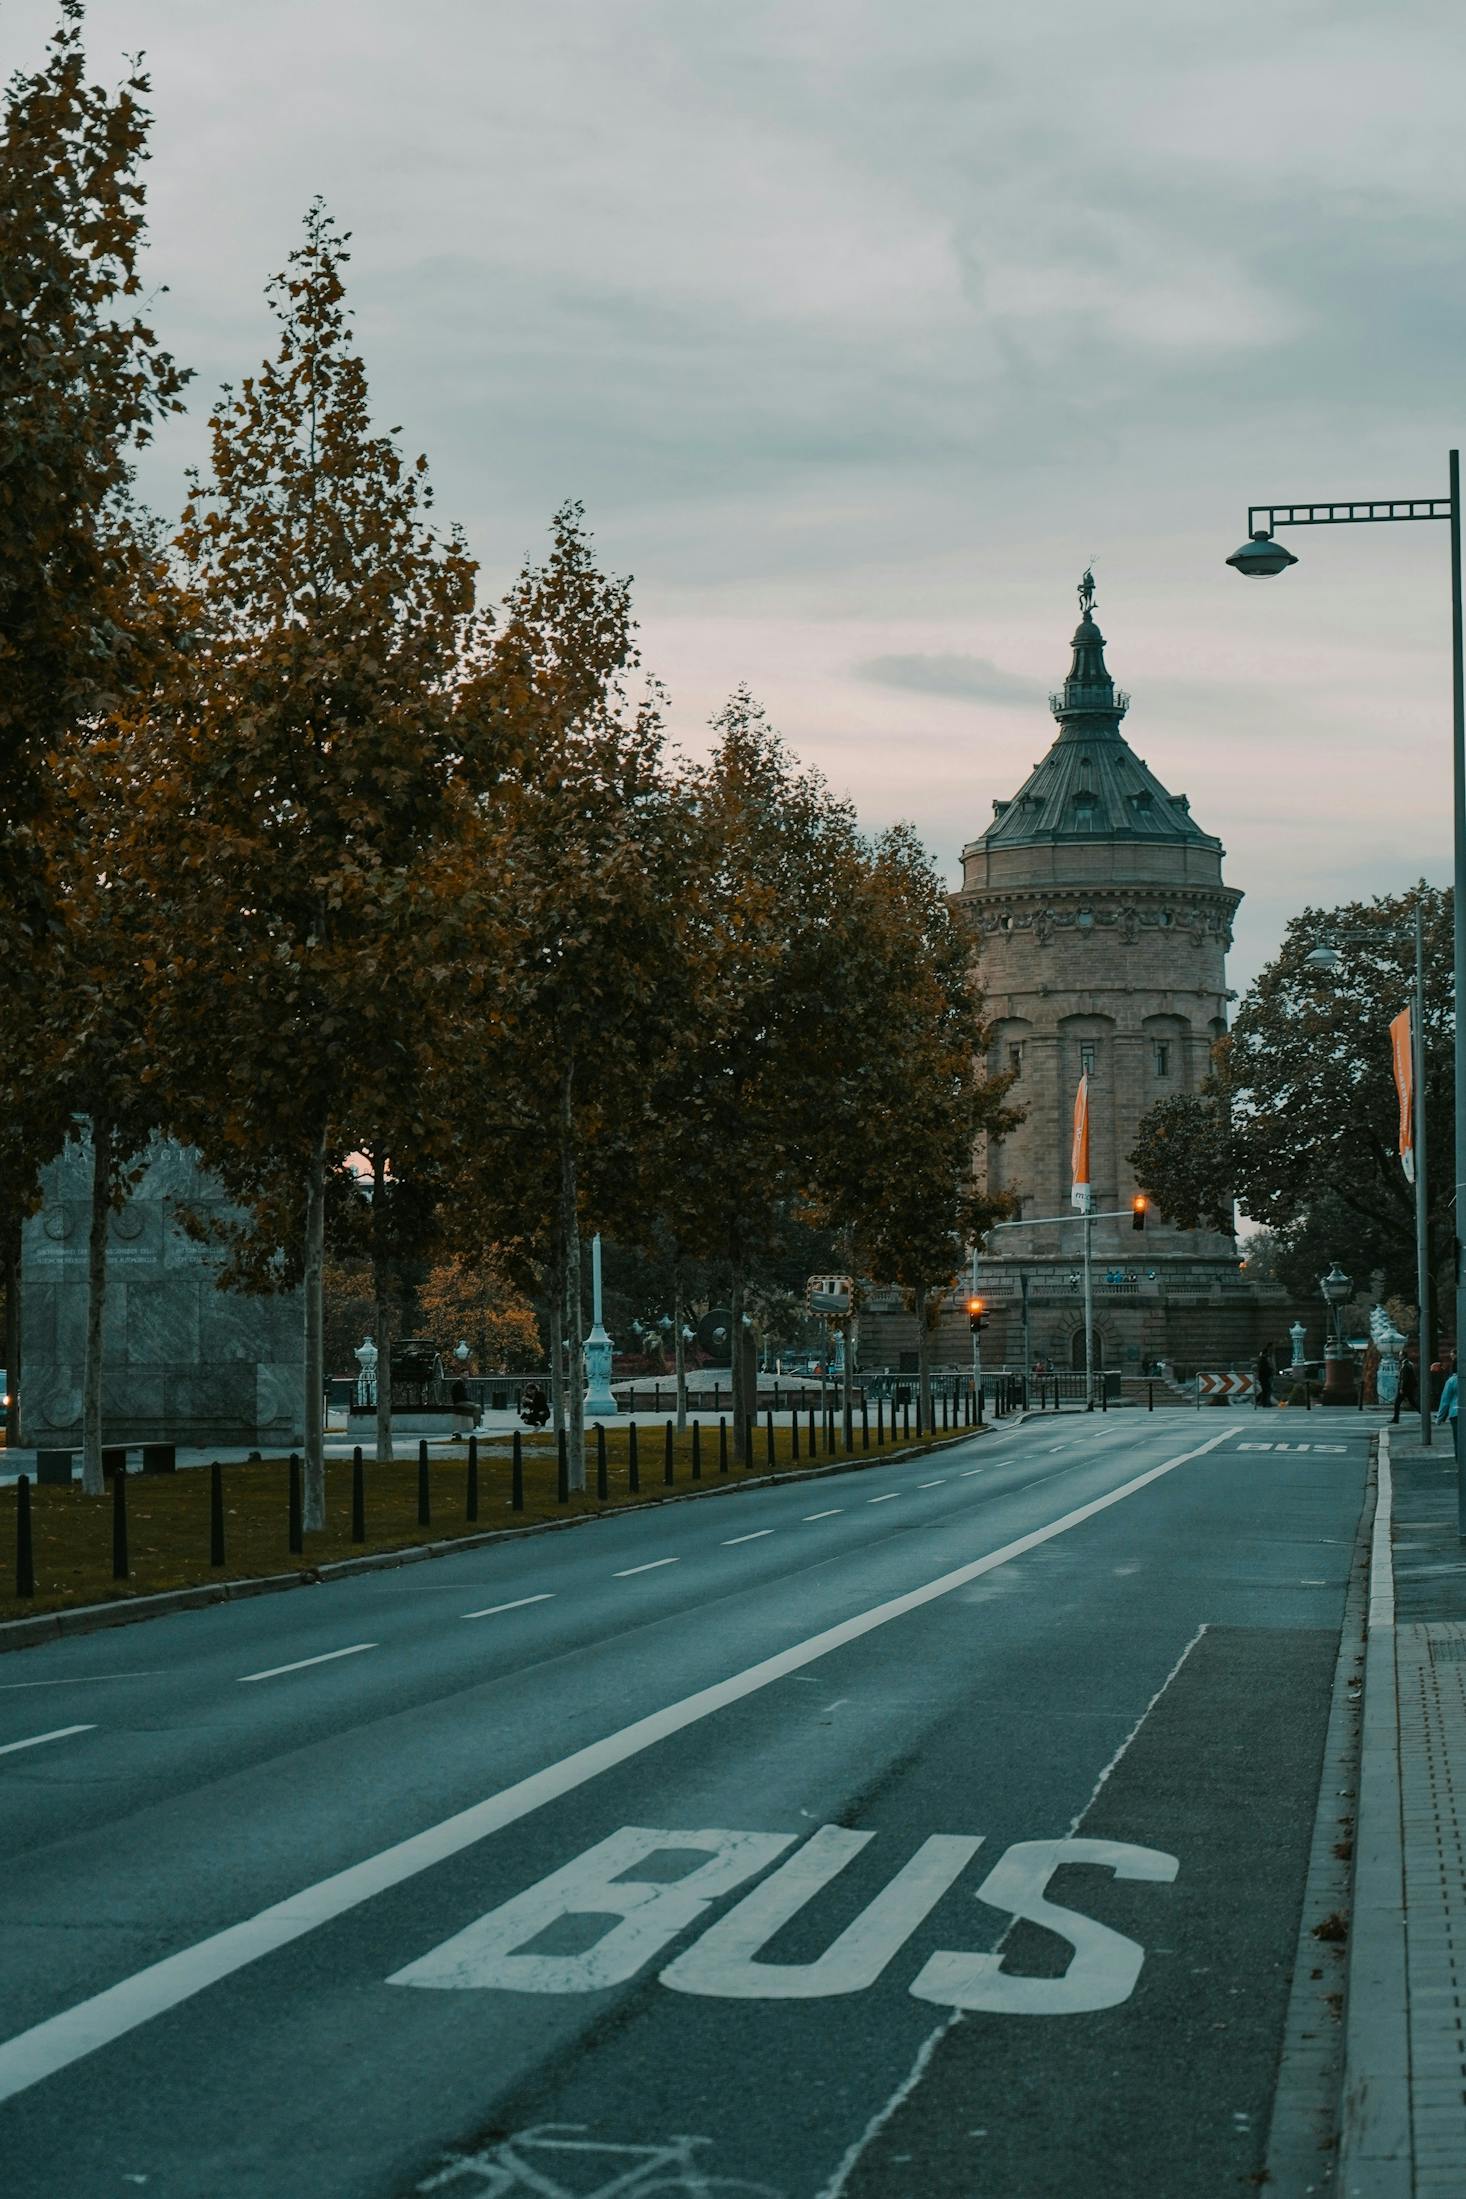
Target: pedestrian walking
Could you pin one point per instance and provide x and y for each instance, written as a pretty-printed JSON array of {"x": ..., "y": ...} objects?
[
  {"x": 1264, "y": 1372},
  {"x": 1446, "y": 1410},
  {"x": 1407, "y": 1389}
]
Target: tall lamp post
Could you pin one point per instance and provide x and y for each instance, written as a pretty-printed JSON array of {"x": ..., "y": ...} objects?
[
  {"x": 1326, "y": 957},
  {"x": 1261, "y": 557}
]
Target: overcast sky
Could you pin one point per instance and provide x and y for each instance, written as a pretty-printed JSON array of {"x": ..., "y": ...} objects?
[{"x": 859, "y": 327}]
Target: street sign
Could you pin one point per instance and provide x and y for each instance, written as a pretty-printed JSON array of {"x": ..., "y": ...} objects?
[{"x": 1225, "y": 1385}]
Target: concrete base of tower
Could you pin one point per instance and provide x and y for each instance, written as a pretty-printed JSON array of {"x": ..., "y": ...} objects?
[{"x": 1183, "y": 1316}]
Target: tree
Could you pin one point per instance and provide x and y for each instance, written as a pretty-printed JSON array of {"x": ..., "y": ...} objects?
[
  {"x": 467, "y": 1298},
  {"x": 897, "y": 1167},
  {"x": 759, "y": 1048},
  {"x": 307, "y": 827},
  {"x": 1300, "y": 1116},
  {"x": 83, "y": 382},
  {"x": 584, "y": 847}
]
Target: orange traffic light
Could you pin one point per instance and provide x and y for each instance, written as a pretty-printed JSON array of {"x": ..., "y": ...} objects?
[
  {"x": 976, "y": 1305},
  {"x": 1139, "y": 1208}
]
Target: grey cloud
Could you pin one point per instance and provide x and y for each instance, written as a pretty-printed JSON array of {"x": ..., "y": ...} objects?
[{"x": 975, "y": 679}]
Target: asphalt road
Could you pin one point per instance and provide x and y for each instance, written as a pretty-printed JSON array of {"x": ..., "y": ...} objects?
[{"x": 925, "y": 1829}]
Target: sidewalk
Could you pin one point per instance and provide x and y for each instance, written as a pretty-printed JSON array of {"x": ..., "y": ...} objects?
[{"x": 1403, "y": 2130}]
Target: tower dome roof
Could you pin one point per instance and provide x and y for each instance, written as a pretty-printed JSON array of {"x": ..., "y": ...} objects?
[{"x": 1091, "y": 785}]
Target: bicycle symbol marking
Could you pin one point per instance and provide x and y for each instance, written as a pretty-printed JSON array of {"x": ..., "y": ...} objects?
[{"x": 537, "y": 2161}]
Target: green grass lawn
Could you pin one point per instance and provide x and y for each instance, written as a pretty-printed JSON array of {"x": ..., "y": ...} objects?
[{"x": 168, "y": 1514}]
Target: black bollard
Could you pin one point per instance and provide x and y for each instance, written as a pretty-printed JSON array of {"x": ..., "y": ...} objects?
[
  {"x": 697, "y": 1450},
  {"x": 424, "y": 1493},
  {"x": 794, "y": 1434},
  {"x": 216, "y": 1514},
  {"x": 633, "y": 1463},
  {"x": 769, "y": 1454},
  {"x": 748, "y": 1443},
  {"x": 25, "y": 1553},
  {"x": 297, "y": 1529},
  {"x": 562, "y": 1468},
  {"x": 814, "y": 1449},
  {"x": 470, "y": 1506},
  {"x": 358, "y": 1496},
  {"x": 669, "y": 1469},
  {"x": 906, "y": 1420},
  {"x": 602, "y": 1485},
  {"x": 880, "y": 1423},
  {"x": 1104, "y": 1393},
  {"x": 848, "y": 1426},
  {"x": 516, "y": 1475},
  {"x": 1150, "y": 1397},
  {"x": 864, "y": 1422},
  {"x": 722, "y": 1439},
  {"x": 919, "y": 1416}
]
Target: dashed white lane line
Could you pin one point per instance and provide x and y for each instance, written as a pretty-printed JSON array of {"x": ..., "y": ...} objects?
[
  {"x": 939, "y": 1484},
  {"x": 971, "y": 1470},
  {"x": 627, "y": 1571},
  {"x": 889, "y": 1497},
  {"x": 831, "y": 1514},
  {"x": 329, "y": 1656},
  {"x": 58, "y": 1733},
  {"x": 757, "y": 1536},
  {"x": 492, "y": 1610}
]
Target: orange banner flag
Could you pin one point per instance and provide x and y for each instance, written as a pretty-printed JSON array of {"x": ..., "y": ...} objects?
[
  {"x": 1403, "y": 1055},
  {"x": 1079, "y": 1150}
]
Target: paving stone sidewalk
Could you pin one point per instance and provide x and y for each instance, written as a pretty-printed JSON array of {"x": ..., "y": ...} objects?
[{"x": 1404, "y": 2129}]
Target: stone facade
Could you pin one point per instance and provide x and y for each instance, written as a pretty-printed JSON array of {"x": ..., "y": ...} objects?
[
  {"x": 1101, "y": 922},
  {"x": 184, "y": 1361}
]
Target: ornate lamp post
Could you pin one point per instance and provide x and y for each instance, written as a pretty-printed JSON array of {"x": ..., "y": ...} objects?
[
  {"x": 1262, "y": 556},
  {"x": 600, "y": 1400},
  {"x": 1338, "y": 1384}
]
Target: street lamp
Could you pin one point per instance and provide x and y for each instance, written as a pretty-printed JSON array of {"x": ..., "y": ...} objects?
[
  {"x": 1325, "y": 959},
  {"x": 1260, "y": 557}
]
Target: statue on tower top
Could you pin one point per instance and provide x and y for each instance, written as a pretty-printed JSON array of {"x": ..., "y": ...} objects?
[{"x": 1086, "y": 593}]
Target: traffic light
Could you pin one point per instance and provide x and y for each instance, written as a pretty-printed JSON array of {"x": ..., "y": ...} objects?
[
  {"x": 1139, "y": 1206},
  {"x": 977, "y": 1315}
]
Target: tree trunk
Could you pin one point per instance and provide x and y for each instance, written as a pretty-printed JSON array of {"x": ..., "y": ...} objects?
[
  {"x": 735, "y": 1356},
  {"x": 574, "y": 1311},
  {"x": 314, "y": 1512},
  {"x": 923, "y": 1361},
  {"x": 382, "y": 1300},
  {"x": 679, "y": 1361},
  {"x": 92, "y": 1478},
  {"x": 14, "y": 1344}
]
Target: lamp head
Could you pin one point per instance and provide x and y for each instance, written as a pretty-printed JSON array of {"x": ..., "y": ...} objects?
[
  {"x": 1261, "y": 557},
  {"x": 1323, "y": 959}
]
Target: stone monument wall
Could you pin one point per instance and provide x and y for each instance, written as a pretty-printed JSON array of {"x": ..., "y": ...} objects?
[{"x": 184, "y": 1361}]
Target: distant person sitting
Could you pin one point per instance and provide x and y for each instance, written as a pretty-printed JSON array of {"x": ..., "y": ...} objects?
[{"x": 534, "y": 1406}]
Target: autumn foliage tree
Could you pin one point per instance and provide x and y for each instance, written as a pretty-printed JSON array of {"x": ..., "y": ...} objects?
[
  {"x": 306, "y": 826},
  {"x": 1300, "y": 1112}
]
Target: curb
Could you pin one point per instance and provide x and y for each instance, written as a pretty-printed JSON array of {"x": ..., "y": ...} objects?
[
  {"x": 92, "y": 1618},
  {"x": 1376, "y": 2150},
  {"x": 1304, "y": 2123}
]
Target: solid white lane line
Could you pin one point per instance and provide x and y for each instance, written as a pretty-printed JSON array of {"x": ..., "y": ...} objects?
[
  {"x": 79, "y": 2030},
  {"x": 834, "y": 1510},
  {"x": 492, "y": 1610},
  {"x": 329, "y": 1656},
  {"x": 627, "y": 1571},
  {"x": 932, "y": 1484},
  {"x": 757, "y": 1536},
  {"x": 58, "y": 1734},
  {"x": 889, "y": 1497}
]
